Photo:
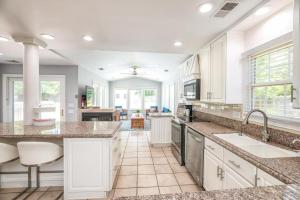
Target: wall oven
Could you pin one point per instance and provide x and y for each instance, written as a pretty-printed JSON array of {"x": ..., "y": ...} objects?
[{"x": 192, "y": 89}]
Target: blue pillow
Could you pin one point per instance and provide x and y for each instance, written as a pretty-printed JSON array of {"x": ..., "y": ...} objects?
[{"x": 165, "y": 110}]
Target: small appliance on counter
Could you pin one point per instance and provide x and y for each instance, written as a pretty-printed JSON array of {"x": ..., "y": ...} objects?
[
  {"x": 183, "y": 115},
  {"x": 39, "y": 120}
]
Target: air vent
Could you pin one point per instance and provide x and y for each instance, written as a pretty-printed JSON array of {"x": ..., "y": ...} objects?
[
  {"x": 226, "y": 8},
  {"x": 13, "y": 61}
]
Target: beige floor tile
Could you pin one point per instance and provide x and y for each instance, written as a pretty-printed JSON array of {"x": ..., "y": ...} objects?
[
  {"x": 190, "y": 188},
  {"x": 50, "y": 195},
  {"x": 145, "y": 161},
  {"x": 129, "y": 161},
  {"x": 130, "y": 155},
  {"x": 156, "y": 149},
  {"x": 128, "y": 181},
  {"x": 147, "y": 181},
  {"x": 8, "y": 196},
  {"x": 144, "y": 149},
  {"x": 166, "y": 180},
  {"x": 11, "y": 190},
  {"x": 133, "y": 144},
  {"x": 184, "y": 179},
  {"x": 131, "y": 149},
  {"x": 169, "y": 190},
  {"x": 178, "y": 168},
  {"x": 163, "y": 169},
  {"x": 172, "y": 160},
  {"x": 143, "y": 144},
  {"x": 148, "y": 191},
  {"x": 146, "y": 169},
  {"x": 167, "y": 148},
  {"x": 125, "y": 192},
  {"x": 160, "y": 161},
  {"x": 157, "y": 154},
  {"x": 128, "y": 170},
  {"x": 144, "y": 154},
  {"x": 168, "y": 153}
]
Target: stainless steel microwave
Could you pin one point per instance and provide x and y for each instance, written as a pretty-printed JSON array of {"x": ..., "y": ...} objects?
[{"x": 192, "y": 89}]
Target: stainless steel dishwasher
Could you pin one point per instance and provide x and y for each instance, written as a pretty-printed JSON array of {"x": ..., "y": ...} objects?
[{"x": 195, "y": 155}]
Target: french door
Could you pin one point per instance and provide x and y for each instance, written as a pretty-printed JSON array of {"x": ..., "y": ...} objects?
[{"x": 52, "y": 94}]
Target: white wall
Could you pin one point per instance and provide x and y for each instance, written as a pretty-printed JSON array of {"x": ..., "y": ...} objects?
[
  {"x": 275, "y": 26},
  {"x": 168, "y": 95},
  {"x": 88, "y": 78},
  {"x": 134, "y": 83}
]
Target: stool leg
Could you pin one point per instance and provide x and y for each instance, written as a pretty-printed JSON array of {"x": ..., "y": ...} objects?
[
  {"x": 37, "y": 176},
  {"x": 29, "y": 177}
]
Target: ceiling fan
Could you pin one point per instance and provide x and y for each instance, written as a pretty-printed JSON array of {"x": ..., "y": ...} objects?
[{"x": 135, "y": 72}]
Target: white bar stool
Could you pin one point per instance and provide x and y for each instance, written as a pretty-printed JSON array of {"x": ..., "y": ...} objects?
[
  {"x": 9, "y": 153},
  {"x": 36, "y": 154}
]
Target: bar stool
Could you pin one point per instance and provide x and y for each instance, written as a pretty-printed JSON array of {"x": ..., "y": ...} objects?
[
  {"x": 9, "y": 153},
  {"x": 36, "y": 154}
]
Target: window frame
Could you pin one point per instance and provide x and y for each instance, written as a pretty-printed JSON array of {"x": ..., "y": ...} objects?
[{"x": 253, "y": 85}]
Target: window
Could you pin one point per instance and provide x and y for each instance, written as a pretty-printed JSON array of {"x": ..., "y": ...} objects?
[
  {"x": 150, "y": 98},
  {"x": 135, "y": 99},
  {"x": 120, "y": 98},
  {"x": 271, "y": 81}
]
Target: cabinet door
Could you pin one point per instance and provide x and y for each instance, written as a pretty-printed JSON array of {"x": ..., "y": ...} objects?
[
  {"x": 264, "y": 179},
  {"x": 218, "y": 65},
  {"x": 232, "y": 180},
  {"x": 205, "y": 74},
  {"x": 212, "y": 169}
]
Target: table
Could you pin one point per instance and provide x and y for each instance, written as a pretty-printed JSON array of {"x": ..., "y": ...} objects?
[{"x": 137, "y": 120}]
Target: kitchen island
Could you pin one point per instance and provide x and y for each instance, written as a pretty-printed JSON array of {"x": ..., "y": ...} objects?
[
  {"x": 160, "y": 129},
  {"x": 92, "y": 156}
]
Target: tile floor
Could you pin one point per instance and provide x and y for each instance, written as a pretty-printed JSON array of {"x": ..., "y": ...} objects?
[{"x": 144, "y": 170}]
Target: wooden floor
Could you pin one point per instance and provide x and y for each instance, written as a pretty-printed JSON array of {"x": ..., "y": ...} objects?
[{"x": 43, "y": 193}]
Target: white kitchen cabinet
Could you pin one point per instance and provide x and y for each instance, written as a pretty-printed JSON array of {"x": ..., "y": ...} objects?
[
  {"x": 161, "y": 129},
  {"x": 222, "y": 74},
  {"x": 264, "y": 179},
  {"x": 212, "y": 172},
  {"x": 205, "y": 74},
  {"x": 233, "y": 180}
]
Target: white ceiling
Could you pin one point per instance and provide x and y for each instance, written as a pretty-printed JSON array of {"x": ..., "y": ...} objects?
[{"x": 118, "y": 28}]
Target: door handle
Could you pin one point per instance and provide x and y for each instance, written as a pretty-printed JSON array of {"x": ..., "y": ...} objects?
[
  {"x": 62, "y": 112},
  {"x": 219, "y": 171},
  {"x": 292, "y": 93},
  {"x": 234, "y": 164}
]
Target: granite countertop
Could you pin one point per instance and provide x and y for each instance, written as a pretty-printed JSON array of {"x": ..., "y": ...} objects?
[
  {"x": 256, "y": 193},
  {"x": 285, "y": 169},
  {"x": 161, "y": 115},
  {"x": 87, "y": 129}
]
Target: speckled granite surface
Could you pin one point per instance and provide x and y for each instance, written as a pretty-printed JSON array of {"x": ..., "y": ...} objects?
[
  {"x": 90, "y": 129},
  {"x": 285, "y": 169},
  {"x": 265, "y": 193}
]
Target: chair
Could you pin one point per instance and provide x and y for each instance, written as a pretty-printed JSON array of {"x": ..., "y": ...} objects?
[
  {"x": 9, "y": 153},
  {"x": 36, "y": 154},
  {"x": 153, "y": 109},
  {"x": 123, "y": 112}
]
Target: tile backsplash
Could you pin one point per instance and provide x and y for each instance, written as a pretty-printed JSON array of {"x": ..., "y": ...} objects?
[{"x": 231, "y": 116}]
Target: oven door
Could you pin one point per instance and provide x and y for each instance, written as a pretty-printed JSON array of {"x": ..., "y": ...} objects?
[{"x": 176, "y": 136}]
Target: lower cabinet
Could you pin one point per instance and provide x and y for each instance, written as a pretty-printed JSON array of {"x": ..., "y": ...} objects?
[
  {"x": 225, "y": 170},
  {"x": 212, "y": 172},
  {"x": 264, "y": 179},
  {"x": 217, "y": 175},
  {"x": 233, "y": 180}
]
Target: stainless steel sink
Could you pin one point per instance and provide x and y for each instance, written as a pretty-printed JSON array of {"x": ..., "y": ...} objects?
[{"x": 256, "y": 147}]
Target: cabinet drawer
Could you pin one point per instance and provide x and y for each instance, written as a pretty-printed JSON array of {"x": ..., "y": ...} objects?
[
  {"x": 265, "y": 179},
  {"x": 214, "y": 148},
  {"x": 241, "y": 166}
]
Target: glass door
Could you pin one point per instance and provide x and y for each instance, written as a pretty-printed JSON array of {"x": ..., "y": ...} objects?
[{"x": 52, "y": 94}]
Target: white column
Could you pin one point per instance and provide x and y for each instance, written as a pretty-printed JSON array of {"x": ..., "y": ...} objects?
[{"x": 30, "y": 80}]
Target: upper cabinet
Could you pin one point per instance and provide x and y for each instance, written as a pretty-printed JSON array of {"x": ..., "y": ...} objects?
[{"x": 221, "y": 69}]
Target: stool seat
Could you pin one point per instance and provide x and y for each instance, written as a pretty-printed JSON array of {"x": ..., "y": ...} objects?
[
  {"x": 38, "y": 153},
  {"x": 8, "y": 153}
]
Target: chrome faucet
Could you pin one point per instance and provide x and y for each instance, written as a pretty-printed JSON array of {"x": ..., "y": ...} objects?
[{"x": 265, "y": 134}]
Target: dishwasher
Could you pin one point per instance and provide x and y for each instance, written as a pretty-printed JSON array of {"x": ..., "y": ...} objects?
[{"x": 195, "y": 155}]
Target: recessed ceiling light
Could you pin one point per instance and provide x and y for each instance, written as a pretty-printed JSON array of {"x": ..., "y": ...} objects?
[
  {"x": 4, "y": 39},
  {"x": 48, "y": 37},
  {"x": 101, "y": 68},
  {"x": 87, "y": 38},
  {"x": 262, "y": 11},
  {"x": 166, "y": 70},
  {"x": 177, "y": 44},
  {"x": 205, "y": 8}
]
